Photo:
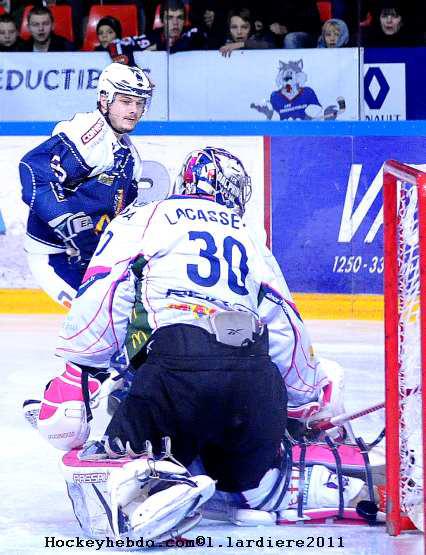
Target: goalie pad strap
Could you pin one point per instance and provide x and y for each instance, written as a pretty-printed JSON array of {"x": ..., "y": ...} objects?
[
  {"x": 301, "y": 493},
  {"x": 286, "y": 467},
  {"x": 377, "y": 440},
  {"x": 289, "y": 466},
  {"x": 368, "y": 477},
  {"x": 339, "y": 473},
  {"x": 86, "y": 394}
]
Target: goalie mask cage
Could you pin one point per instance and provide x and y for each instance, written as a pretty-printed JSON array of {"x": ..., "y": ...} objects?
[{"x": 404, "y": 191}]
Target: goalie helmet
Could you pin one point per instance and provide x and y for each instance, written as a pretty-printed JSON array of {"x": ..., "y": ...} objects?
[
  {"x": 120, "y": 78},
  {"x": 218, "y": 173}
]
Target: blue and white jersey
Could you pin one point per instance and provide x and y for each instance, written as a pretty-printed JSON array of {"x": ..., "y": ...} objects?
[
  {"x": 294, "y": 108},
  {"x": 178, "y": 261},
  {"x": 83, "y": 167}
]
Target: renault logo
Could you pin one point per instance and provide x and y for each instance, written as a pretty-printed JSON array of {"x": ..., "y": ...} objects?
[{"x": 376, "y": 88}]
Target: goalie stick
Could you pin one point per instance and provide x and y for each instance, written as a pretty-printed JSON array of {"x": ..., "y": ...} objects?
[{"x": 340, "y": 419}]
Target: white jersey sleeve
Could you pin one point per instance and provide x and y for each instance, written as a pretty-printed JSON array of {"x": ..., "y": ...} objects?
[
  {"x": 96, "y": 326},
  {"x": 290, "y": 346}
]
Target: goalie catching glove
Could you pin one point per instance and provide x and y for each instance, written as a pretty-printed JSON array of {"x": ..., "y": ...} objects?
[
  {"x": 63, "y": 416},
  {"x": 77, "y": 233},
  {"x": 328, "y": 404}
]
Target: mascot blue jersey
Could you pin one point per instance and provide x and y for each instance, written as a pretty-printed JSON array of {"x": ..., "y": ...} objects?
[
  {"x": 83, "y": 167},
  {"x": 294, "y": 108}
]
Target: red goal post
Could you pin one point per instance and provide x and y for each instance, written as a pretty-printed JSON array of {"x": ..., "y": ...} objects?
[{"x": 404, "y": 193}]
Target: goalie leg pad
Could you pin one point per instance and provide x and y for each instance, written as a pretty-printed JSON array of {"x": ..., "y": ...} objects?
[
  {"x": 142, "y": 497},
  {"x": 352, "y": 461},
  {"x": 164, "y": 512},
  {"x": 321, "y": 489}
]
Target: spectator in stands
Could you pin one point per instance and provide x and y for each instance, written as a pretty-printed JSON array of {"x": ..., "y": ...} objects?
[
  {"x": 240, "y": 34},
  {"x": 173, "y": 36},
  {"x": 107, "y": 29},
  {"x": 9, "y": 38},
  {"x": 297, "y": 22},
  {"x": 335, "y": 34},
  {"x": 43, "y": 38},
  {"x": 209, "y": 17},
  {"x": 391, "y": 27}
]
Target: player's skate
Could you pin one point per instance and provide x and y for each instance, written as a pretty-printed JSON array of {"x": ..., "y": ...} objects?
[{"x": 148, "y": 497}]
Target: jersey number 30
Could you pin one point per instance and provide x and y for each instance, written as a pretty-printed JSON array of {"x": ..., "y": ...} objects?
[{"x": 208, "y": 251}]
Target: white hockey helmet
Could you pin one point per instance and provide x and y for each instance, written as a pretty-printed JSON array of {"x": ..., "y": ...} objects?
[{"x": 120, "y": 78}]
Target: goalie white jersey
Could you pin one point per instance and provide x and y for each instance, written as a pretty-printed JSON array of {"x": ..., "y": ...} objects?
[{"x": 178, "y": 261}]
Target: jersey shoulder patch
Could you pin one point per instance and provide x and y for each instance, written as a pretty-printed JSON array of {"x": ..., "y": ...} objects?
[
  {"x": 92, "y": 137},
  {"x": 83, "y": 128},
  {"x": 94, "y": 130}
]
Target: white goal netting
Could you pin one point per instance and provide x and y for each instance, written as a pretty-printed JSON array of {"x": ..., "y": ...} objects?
[{"x": 409, "y": 355}]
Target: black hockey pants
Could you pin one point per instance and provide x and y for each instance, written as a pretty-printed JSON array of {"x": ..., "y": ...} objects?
[{"x": 225, "y": 404}]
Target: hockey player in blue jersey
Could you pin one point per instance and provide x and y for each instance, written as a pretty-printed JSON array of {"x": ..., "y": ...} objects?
[{"x": 79, "y": 179}]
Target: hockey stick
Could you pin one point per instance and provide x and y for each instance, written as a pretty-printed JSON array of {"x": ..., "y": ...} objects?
[{"x": 340, "y": 419}]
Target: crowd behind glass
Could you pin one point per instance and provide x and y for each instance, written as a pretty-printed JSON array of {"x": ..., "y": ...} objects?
[{"x": 225, "y": 26}]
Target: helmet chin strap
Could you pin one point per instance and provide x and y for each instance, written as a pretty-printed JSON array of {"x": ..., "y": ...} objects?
[{"x": 106, "y": 116}]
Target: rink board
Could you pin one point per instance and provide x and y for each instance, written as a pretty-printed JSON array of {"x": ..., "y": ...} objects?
[{"x": 317, "y": 193}]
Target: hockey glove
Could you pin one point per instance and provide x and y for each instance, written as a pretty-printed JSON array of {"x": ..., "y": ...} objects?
[{"x": 77, "y": 233}]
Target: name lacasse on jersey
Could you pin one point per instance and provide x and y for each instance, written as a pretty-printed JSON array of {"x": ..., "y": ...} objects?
[{"x": 220, "y": 217}]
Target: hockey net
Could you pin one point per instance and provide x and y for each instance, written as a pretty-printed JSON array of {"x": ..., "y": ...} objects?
[{"x": 404, "y": 190}]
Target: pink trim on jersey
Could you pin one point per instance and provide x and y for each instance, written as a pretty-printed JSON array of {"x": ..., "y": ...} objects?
[
  {"x": 97, "y": 339},
  {"x": 90, "y": 322},
  {"x": 297, "y": 343},
  {"x": 109, "y": 296},
  {"x": 90, "y": 272},
  {"x": 111, "y": 299},
  {"x": 293, "y": 365}
]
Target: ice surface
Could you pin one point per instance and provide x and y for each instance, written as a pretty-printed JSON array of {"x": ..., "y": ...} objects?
[{"x": 34, "y": 504}]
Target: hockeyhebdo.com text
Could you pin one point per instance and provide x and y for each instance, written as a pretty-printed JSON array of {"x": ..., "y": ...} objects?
[
  {"x": 49, "y": 79},
  {"x": 260, "y": 542}
]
